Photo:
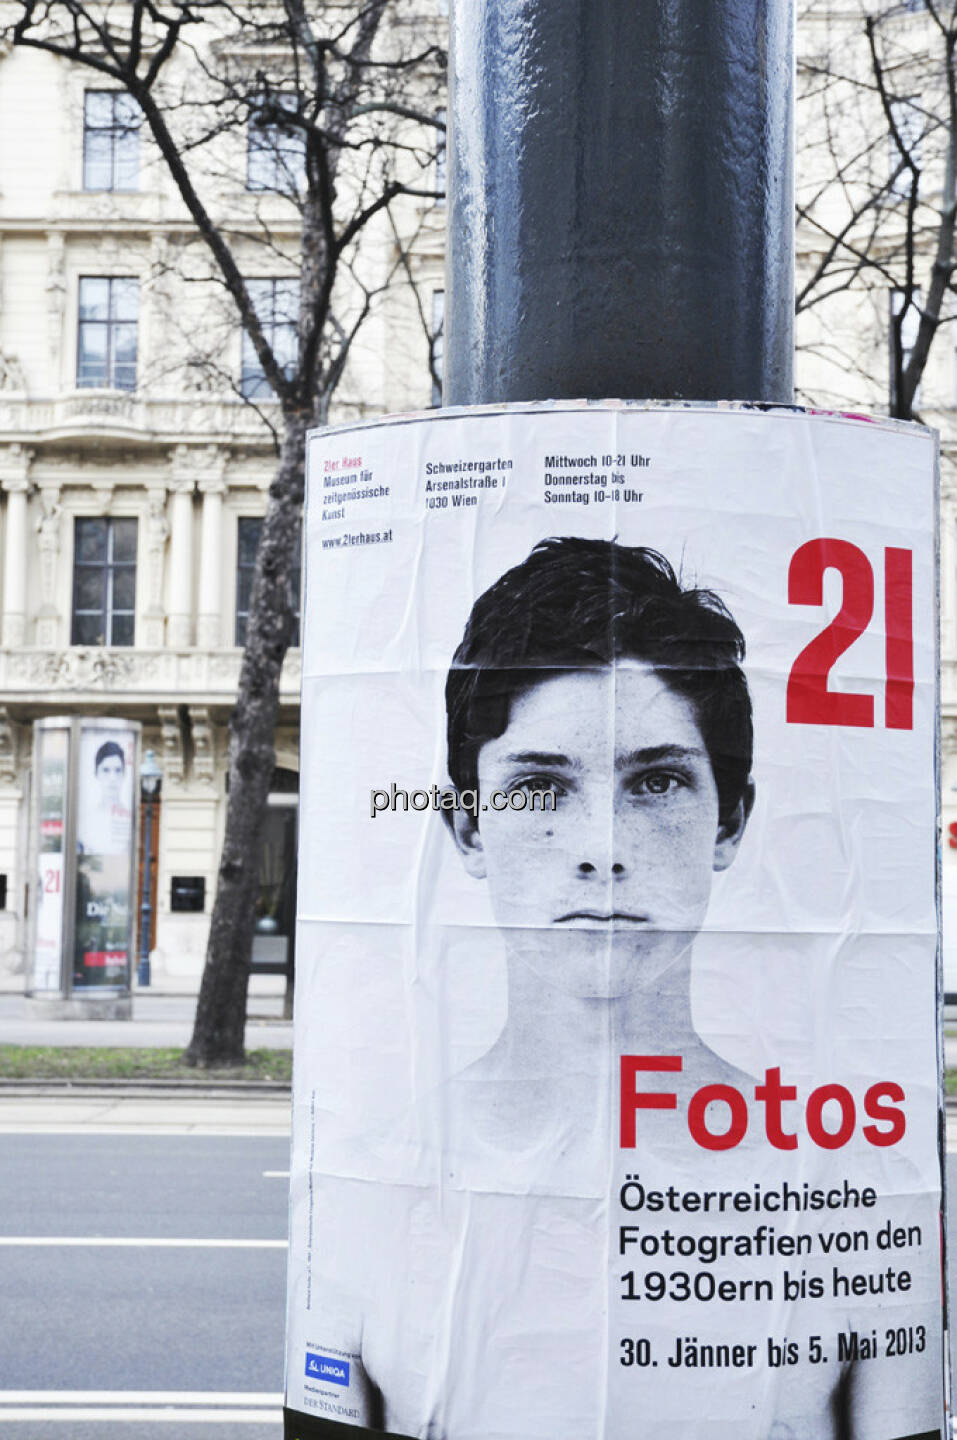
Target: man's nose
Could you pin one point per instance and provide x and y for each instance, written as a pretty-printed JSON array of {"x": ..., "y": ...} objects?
[
  {"x": 599, "y": 856},
  {"x": 601, "y": 869}
]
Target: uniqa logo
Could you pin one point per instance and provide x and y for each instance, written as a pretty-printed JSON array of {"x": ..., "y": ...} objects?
[{"x": 327, "y": 1367}]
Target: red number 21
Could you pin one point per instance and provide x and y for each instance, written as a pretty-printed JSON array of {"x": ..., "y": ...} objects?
[{"x": 809, "y": 701}]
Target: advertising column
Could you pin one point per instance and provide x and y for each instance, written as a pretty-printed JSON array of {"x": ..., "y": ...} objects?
[
  {"x": 617, "y": 1065},
  {"x": 84, "y": 845}
]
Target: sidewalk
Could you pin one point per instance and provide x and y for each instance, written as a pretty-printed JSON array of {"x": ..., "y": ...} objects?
[
  {"x": 156, "y": 1114},
  {"x": 159, "y": 1020}
]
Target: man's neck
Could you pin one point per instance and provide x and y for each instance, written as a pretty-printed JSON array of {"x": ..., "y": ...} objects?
[{"x": 549, "y": 1030}]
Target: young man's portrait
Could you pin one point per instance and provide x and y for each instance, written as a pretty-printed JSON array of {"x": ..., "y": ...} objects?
[{"x": 590, "y": 673}]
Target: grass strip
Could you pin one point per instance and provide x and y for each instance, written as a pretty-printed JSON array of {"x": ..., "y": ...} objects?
[{"x": 81, "y": 1062}]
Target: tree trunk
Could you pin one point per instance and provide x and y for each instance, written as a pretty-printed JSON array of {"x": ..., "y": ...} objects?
[{"x": 220, "y": 1021}]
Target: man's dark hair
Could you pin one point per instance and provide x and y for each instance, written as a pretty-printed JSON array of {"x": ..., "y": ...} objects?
[
  {"x": 582, "y": 604},
  {"x": 108, "y": 748}
]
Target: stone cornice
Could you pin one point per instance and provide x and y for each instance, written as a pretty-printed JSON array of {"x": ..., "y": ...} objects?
[
  {"x": 131, "y": 676},
  {"x": 98, "y": 223},
  {"x": 132, "y": 419}
]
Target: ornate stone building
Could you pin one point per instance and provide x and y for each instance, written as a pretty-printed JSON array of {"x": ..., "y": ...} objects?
[{"x": 133, "y": 483}]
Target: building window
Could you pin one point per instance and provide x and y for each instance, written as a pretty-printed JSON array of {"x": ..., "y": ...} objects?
[
  {"x": 104, "y": 582},
  {"x": 437, "y": 345},
  {"x": 106, "y": 340},
  {"x": 250, "y": 529},
  {"x": 111, "y": 141},
  {"x": 276, "y": 302},
  {"x": 909, "y": 327},
  {"x": 276, "y": 153}
]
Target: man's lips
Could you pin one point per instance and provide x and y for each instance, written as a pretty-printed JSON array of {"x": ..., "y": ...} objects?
[{"x": 603, "y": 917}]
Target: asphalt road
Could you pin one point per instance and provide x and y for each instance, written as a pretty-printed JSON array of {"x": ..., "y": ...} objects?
[
  {"x": 189, "y": 1329},
  {"x": 170, "y": 1323}
]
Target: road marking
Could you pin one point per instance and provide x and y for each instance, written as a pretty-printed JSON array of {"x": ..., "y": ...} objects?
[
  {"x": 140, "y": 1397},
  {"x": 209, "y": 1407},
  {"x": 172, "y": 1415},
  {"x": 275, "y": 1174},
  {"x": 131, "y": 1241}
]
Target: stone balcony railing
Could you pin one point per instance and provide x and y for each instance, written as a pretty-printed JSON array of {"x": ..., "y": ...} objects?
[
  {"x": 128, "y": 416},
  {"x": 131, "y": 676},
  {"x": 131, "y": 416}
]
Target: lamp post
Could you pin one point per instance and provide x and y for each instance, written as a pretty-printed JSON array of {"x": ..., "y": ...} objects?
[{"x": 151, "y": 779}]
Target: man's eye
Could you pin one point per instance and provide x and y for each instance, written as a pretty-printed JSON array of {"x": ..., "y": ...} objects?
[
  {"x": 658, "y": 782},
  {"x": 530, "y": 784}
]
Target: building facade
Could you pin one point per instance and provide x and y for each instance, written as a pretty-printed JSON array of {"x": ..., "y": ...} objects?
[
  {"x": 133, "y": 471},
  {"x": 134, "y": 478}
]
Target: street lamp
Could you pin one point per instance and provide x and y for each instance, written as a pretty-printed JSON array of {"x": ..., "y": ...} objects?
[{"x": 151, "y": 779}]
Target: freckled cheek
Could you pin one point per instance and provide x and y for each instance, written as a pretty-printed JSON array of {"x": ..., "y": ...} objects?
[
  {"x": 523, "y": 831},
  {"x": 515, "y": 844},
  {"x": 677, "y": 846},
  {"x": 522, "y": 864}
]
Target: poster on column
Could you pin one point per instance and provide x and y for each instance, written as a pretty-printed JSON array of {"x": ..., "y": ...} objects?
[
  {"x": 104, "y": 844},
  {"x": 616, "y": 1091}
]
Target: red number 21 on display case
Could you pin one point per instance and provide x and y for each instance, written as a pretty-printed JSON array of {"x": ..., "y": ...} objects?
[{"x": 809, "y": 701}]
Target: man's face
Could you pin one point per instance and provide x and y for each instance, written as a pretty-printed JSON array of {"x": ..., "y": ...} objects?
[
  {"x": 603, "y": 894},
  {"x": 109, "y": 773}
]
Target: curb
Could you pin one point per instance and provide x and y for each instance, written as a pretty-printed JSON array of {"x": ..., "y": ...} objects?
[{"x": 146, "y": 1089}]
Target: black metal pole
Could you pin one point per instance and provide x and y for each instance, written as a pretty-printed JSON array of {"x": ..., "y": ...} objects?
[
  {"x": 620, "y": 200},
  {"x": 143, "y": 968}
]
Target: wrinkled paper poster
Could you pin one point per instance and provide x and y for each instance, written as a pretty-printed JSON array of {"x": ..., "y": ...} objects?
[
  {"x": 616, "y": 1083},
  {"x": 103, "y": 927}
]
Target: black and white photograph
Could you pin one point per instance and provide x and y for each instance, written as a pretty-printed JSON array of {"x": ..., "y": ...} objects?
[
  {"x": 566, "y": 1131},
  {"x": 105, "y": 817}
]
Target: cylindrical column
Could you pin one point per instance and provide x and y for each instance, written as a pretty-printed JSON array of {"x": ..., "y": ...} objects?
[
  {"x": 15, "y": 564},
  {"x": 209, "y": 624},
  {"x": 179, "y": 624},
  {"x": 620, "y": 200}
]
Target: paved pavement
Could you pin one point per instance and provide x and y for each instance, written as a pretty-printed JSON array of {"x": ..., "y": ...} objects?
[
  {"x": 158, "y": 1020},
  {"x": 157, "y": 1114}
]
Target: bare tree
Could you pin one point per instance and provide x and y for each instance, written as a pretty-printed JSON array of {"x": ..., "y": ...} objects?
[
  {"x": 877, "y": 162},
  {"x": 335, "y": 108}
]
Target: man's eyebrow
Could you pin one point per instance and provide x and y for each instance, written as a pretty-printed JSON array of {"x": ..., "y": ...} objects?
[
  {"x": 550, "y": 758},
  {"x": 651, "y": 754}
]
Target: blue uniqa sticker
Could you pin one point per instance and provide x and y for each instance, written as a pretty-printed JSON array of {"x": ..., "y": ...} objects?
[{"x": 328, "y": 1368}]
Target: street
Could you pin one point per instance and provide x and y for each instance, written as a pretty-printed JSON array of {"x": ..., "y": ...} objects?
[{"x": 175, "y": 1327}]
